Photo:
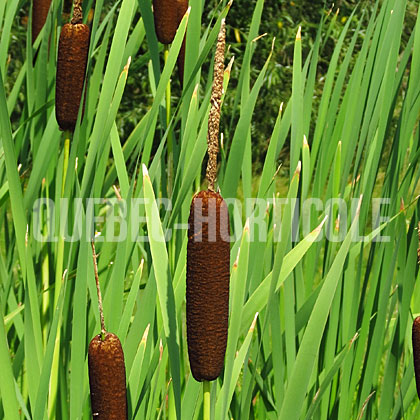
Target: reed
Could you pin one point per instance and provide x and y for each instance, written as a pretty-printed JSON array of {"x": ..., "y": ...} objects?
[
  {"x": 208, "y": 261},
  {"x": 107, "y": 379},
  {"x": 72, "y": 59},
  {"x": 208, "y": 256}
]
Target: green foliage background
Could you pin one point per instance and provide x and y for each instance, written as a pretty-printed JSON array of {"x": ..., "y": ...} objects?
[{"x": 319, "y": 328}]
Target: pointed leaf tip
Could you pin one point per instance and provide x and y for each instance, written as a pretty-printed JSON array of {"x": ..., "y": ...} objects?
[
  {"x": 298, "y": 168},
  {"x": 254, "y": 321}
]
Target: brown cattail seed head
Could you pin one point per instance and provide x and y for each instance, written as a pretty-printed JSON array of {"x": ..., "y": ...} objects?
[
  {"x": 40, "y": 10},
  {"x": 73, "y": 50},
  {"x": 108, "y": 393},
  {"x": 416, "y": 352},
  {"x": 168, "y": 14},
  {"x": 182, "y": 8},
  {"x": 208, "y": 265}
]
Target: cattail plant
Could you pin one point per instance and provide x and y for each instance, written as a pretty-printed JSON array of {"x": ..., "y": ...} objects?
[
  {"x": 108, "y": 392},
  {"x": 168, "y": 14},
  {"x": 208, "y": 257},
  {"x": 40, "y": 10},
  {"x": 72, "y": 58}
]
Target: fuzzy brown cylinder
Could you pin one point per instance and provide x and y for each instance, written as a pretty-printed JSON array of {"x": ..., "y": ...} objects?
[
  {"x": 416, "y": 352},
  {"x": 108, "y": 392},
  {"x": 40, "y": 10},
  {"x": 208, "y": 265},
  {"x": 168, "y": 14},
  {"x": 73, "y": 50}
]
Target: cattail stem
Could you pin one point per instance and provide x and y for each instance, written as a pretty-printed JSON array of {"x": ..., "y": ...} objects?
[
  {"x": 77, "y": 12},
  {"x": 206, "y": 400},
  {"x": 168, "y": 119},
  {"x": 60, "y": 246},
  {"x": 98, "y": 290},
  {"x": 214, "y": 116},
  {"x": 67, "y": 135},
  {"x": 58, "y": 282}
]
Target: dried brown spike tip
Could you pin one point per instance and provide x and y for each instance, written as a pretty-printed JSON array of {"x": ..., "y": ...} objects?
[
  {"x": 40, "y": 10},
  {"x": 208, "y": 265},
  {"x": 168, "y": 14},
  {"x": 214, "y": 115},
  {"x": 73, "y": 50},
  {"x": 108, "y": 392}
]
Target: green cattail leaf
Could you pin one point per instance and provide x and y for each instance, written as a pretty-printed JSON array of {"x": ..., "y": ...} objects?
[
  {"x": 163, "y": 282},
  {"x": 237, "y": 292},
  {"x": 7, "y": 384}
]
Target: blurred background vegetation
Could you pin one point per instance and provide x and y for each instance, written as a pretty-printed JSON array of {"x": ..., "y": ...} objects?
[{"x": 280, "y": 20}]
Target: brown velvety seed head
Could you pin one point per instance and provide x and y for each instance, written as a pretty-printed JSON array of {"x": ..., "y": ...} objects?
[
  {"x": 182, "y": 6},
  {"x": 168, "y": 14},
  {"x": 208, "y": 265},
  {"x": 72, "y": 58},
  {"x": 107, "y": 378},
  {"x": 40, "y": 10},
  {"x": 416, "y": 352}
]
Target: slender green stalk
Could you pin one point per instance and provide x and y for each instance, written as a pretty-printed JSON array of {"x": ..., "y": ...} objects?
[
  {"x": 168, "y": 119},
  {"x": 66, "y": 160},
  {"x": 206, "y": 400},
  {"x": 60, "y": 246},
  {"x": 58, "y": 282},
  {"x": 45, "y": 278}
]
